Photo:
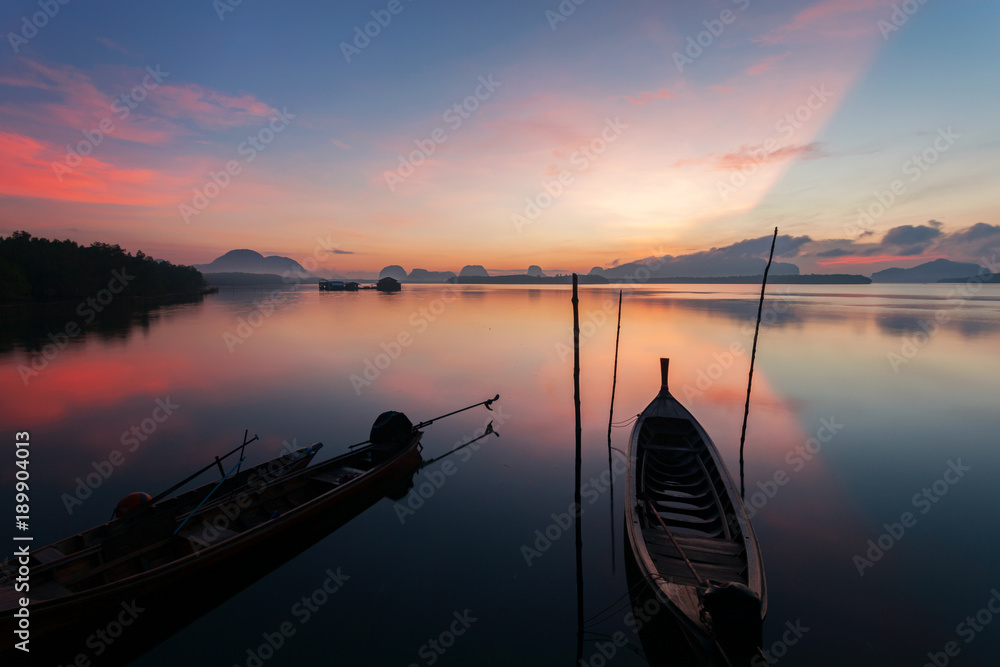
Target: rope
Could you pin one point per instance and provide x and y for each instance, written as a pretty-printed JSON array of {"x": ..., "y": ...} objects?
[{"x": 611, "y": 607}]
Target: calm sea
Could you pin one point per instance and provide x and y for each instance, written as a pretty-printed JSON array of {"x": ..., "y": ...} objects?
[{"x": 872, "y": 469}]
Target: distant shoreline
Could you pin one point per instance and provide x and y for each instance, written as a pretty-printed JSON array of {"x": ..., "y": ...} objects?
[
  {"x": 811, "y": 279},
  {"x": 253, "y": 279}
]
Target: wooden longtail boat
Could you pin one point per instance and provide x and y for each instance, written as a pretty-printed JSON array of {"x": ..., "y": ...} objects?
[
  {"x": 689, "y": 532},
  {"x": 147, "y": 556}
]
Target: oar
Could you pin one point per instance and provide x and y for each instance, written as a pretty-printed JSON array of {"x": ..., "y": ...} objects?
[
  {"x": 218, "y": 462},
  {"x": 205, "y": 499},
  {"x": 701, "y": 582},
  {"x": 652, "y": 507}
]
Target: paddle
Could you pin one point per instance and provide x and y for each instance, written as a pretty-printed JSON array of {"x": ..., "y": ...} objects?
[
  {"x": 218, "y": 462},
  {"x": 205, "y": 499},
  {"x": 650, "y": 506}
]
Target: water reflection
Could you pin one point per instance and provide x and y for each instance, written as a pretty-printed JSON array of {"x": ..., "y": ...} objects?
[
  {"x": 932, "y": 321},
  {"x": 783, "y": 308},
  {"x": 33, "y": 327},
  {"x": 822, "y": 357}
]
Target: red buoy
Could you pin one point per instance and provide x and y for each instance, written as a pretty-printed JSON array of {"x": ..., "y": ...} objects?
[{"x": 132, "y": 501}]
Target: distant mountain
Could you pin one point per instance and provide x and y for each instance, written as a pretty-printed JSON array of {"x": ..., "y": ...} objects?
[
  {"x": 786, "y": 279},
  {"x": 474, "y": 270},
  {"x": 250, "y": 261},
  {"x": 929, "y": 272},
  {"x": 525, "y": 279},
  {"x": 535, "y": 270},
  {"x": 425, "y": 276},
  {"x": 394, "y": 271},
  {"x": 697, "y": 265},
  {"x": 981, "y": 277},
  {"x": 226, "y": 279}
]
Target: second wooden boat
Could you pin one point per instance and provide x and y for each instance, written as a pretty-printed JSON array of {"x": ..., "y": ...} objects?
[
  {"x": 689, "y": 532},
  {"x": 159, "y": 548}
]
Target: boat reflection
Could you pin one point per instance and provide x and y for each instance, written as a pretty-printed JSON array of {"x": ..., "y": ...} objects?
[{"x": 117, "y": 631}]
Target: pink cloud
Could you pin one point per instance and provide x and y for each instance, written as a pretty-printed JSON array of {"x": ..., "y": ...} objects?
[
  {"x": 26, "y": 171},
  {"x": 647, "y": 96},
  {"x": 765, "y": 64},
  {"x": 208, "y": 108},
  {"x": 114, "y": 46},
  {"x": 523, "y": 136},
  {"x": 749, "y": 155},
  {"x": 169, "y": 110},
  {"x": 835, "y": 17},
  {"x": 72, "y": 109}
]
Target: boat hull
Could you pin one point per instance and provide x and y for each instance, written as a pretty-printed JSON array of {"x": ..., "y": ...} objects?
[
  {"x": 698, "y": 552},
  {"x": 147, "y": 607}
]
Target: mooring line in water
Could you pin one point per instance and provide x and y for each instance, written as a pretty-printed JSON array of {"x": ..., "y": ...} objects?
[
  {"x": 626, "y": 422},
  {"x": 753, "y": 356}
]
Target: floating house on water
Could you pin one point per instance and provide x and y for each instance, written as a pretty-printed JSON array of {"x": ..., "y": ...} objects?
[{"x": 388, "y": 284}]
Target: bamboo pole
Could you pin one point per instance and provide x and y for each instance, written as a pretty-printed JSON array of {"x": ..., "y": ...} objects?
[
  {"x": 753, "y": 357},
  {"x": 579, "y": 472},
  {"x": 611, "y": 417}
]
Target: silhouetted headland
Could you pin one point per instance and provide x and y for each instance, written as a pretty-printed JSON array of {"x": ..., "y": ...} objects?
[
  {"x": 39, "y": 270},
  {"x": 930, "y": 272}
]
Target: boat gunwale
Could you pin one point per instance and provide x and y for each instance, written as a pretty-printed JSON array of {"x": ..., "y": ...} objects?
[
  {"x": 213, "y": 553},
  {"x": 669, "y": 592}
]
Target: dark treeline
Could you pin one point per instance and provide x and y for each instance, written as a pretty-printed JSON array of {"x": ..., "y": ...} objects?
[
  {"x": 982, "y": 278},
  {"x": 34, "y": 269}
]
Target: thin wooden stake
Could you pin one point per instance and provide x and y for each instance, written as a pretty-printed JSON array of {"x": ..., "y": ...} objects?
[
  {"x": 753, "y": 356},
  {"x": 611, "y": 417},
  {"x": 579, "y": 472}
]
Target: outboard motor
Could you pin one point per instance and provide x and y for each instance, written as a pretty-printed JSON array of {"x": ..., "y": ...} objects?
[
  {"x": 735, "y": 612},
  {"x": 389, "y": 432}
]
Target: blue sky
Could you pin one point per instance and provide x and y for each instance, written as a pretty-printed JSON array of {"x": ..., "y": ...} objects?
[{"x": 681, "y": 159}]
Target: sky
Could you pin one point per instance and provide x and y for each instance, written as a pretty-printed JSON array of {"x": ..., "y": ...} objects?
[{"x": 434, "y": 135}]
